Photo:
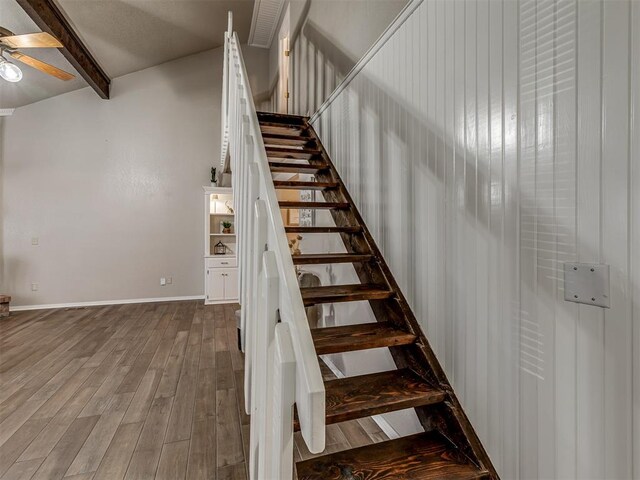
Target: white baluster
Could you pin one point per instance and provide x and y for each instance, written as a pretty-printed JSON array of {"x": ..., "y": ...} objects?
[
  {"x": 265, "y": 333},
  {"x": 258, "y": 234},
  {"x": 279, "y": 463}
]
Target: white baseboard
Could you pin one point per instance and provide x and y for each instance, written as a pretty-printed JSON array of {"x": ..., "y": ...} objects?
[
  {"x": 104, "y": 302},
  {"x": 379, "y": 419}
]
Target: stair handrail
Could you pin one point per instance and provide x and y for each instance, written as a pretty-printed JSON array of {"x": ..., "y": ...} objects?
[{"x": 281, "y": 365}]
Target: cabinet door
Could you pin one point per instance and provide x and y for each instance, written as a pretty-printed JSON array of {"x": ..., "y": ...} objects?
[
  {"x": 215, "y": 284},
  {"x": 231, "y": 284}
]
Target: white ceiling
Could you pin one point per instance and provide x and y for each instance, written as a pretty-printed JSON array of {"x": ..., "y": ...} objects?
[
  {"x": 128, "y": 35},
  {"x": 124, "y": 36}
]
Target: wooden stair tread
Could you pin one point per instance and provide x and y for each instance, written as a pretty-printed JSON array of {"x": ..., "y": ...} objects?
[
  {"x": 283, "y": 130},
  {"x": 273, "y": 153},
  {"x": 295, "y": 185},
  {"x": 284, "y": 140},
  {"x": 362, "y": 336},
  {"x": 344, "y": 293},
  {"x": 281, "y": 119},
  {"x": 424, "y": 456},
  {"x": 366, "y": 395},
  {"x": 320, "y": 258},
  {"x": 297, "y": 204},
  {"x": 349, "y": 229},
  {"x": 296, "y": 167},
  {"x": 291, "y": 149}
]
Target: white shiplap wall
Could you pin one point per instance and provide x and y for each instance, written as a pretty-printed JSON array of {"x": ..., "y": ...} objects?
[{"x": 486, "y": 142}]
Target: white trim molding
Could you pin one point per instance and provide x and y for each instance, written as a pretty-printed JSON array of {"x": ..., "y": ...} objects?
[
  {"x": 6, "y": 112},
  {"x": 104, "y": 302}
]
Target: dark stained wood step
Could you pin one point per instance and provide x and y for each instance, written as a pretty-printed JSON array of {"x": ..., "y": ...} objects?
[
  {"x": 321, "y": 258},
  {"x": 424, "y": 456},
  {"x": 287, "y": 140},
  {"x": 298, "y": 154},
  {"x": 294, "y": 185},
  {"x": 366, "y": 395},
  {"x": 284, "y": 130},
  {"x": 282, "y": 119},
  {"x": 363, "y": 336},
  {"x": 329, "y": 205},
  {"x": 344, "y": 293},
  {"x": 279, "y": 167},
  {"x": 297, "y": 229}
]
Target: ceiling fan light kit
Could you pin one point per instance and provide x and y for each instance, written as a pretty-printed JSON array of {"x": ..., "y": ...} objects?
[{"x": 9, "y": 71}]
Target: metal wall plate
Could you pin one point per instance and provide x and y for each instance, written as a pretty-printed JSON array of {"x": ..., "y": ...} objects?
[{"x": 587, "y": 283}]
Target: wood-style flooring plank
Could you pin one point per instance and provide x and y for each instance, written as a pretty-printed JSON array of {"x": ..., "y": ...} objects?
[
  {"x": 116, "y": 459},
  {"x": 13, "y": 448},
  {"x": 228, "y": 436},
  {"x": 90, "y": 455},
  {"x": 146, "y": 455},
  {"x": 22, "y": 470},
  {"x": 58, "y": 461},
  {"x": 173, "y": 461}
]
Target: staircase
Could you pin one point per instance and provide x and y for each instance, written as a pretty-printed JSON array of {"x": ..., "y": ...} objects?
[{"x": 449, "y": 447}]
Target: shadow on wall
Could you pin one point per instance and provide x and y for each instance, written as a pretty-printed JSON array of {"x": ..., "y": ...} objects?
[{"x": 439, "y": 154}]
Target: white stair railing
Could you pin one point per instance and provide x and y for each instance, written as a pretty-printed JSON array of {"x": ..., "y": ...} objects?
[{"x": 281, "y": 365}]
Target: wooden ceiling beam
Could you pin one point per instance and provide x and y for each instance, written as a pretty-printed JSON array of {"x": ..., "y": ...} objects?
[{"x": 50, "y": 19}]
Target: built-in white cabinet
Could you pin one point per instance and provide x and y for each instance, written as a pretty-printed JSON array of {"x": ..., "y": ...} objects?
[
  {"x": 222, "y": 285},
  {"x": 221, "y": 272}
]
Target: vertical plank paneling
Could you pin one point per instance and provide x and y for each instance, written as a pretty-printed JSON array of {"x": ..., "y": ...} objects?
[
  {"x": 495, "y": 319},
  {"x": 590, "y": 335},
  {"x": 565, "y": 219},
  {"x": 634, "y": 130},
  {"x": 510, "y": 447},
  {"x": 487, "y": 142},
  {"x": 615, "y": 238},
  {"x": 482, "y": 226}
]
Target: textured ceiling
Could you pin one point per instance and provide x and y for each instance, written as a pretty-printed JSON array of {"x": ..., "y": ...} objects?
[
  {"x": 124, "y": 36},
  {"x": 128, "y": 35},
  {"x": 34, "y": 85}
]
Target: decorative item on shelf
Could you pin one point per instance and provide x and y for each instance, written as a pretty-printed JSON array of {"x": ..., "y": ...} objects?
[
  {"x": 294, "y": 245},
  {"x": 229, "y": 208},
  {"x": 226, "y": 225},
  {"x": 214, "y": 180},
  {"x": 219, "y": 249}
]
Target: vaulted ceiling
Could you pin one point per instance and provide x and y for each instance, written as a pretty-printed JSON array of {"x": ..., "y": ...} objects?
[
  {"x": 124, "y": 36},
  {"x": 128, "y": 35}
]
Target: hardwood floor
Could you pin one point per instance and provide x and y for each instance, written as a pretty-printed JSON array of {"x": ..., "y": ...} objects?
[{"x": 130, "y": 392}]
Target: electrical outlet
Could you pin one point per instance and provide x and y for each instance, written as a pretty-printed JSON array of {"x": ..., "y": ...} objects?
[
  {"x": 169, "y": 280},
  {"x": 163, "y": 281},
  {"x": 34, "y": 287},
  {"x": 35, "y": 241}
]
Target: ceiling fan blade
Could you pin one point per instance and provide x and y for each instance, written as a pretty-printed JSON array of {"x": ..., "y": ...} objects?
[
  {"x": 31, "y": 40},
  {"x": 42, "y": 66}
]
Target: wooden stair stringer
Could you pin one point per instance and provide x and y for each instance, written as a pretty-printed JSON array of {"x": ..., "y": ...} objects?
[{"x": 449, "y": 418}]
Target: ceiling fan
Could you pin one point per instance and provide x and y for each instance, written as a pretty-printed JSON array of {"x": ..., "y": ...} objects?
[{"x": 9, "y": 45}]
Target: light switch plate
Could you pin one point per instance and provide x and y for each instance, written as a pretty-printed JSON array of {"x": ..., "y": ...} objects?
[{"x": 587, "y": 283}]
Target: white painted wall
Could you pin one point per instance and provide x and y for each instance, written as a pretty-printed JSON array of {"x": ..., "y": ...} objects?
[
  {"x": 112, "y": 189},
  {"x": 486, "y": 143}
]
